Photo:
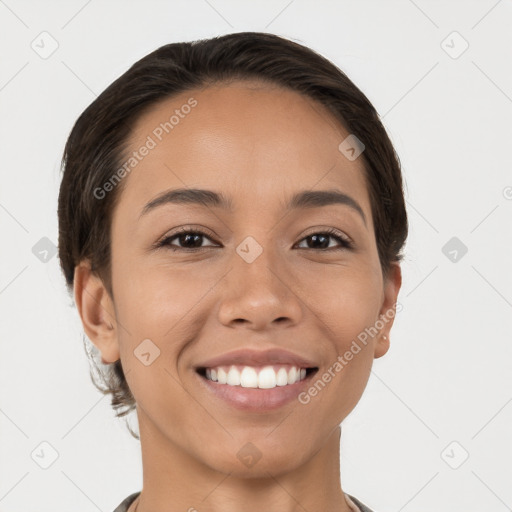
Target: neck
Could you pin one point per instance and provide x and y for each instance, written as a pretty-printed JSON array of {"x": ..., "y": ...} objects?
[{"x": 176, "y": 480}]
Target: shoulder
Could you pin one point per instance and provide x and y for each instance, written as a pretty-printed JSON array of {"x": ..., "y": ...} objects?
[
  {"x": 123, "y": 506},
  {"x": 355, "y": 501}
]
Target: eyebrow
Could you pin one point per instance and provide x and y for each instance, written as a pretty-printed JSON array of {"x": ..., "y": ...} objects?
[{"x": 209, "y": 198}]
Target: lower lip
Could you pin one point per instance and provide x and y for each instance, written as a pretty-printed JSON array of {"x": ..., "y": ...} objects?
[{"x": 256, "y": 399}]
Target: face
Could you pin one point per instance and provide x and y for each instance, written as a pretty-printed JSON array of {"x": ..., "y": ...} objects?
[{"x": 257, "y": 273}]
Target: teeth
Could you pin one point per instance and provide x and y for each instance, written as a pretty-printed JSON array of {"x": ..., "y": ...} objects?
[
  {"x": 233, "y": 377},
  {"x": 268, "y": 377},
  {"x": 222, "y": 376}
]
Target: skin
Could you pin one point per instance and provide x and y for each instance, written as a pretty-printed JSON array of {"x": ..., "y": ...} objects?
[{"x": 259, "y": 145}]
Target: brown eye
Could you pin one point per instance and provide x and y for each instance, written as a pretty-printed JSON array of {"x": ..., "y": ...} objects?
[
  {"x": 192, "y": 240},
  {"x": 189, "y": 240},
  {"x": 321, "y": 241}
]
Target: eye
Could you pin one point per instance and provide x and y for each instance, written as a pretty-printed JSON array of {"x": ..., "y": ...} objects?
[
  {"x": 190, "y": 240},
  {"x": 322, "y": 239}
]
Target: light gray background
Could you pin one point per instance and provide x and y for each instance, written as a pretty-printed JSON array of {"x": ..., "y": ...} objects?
[{"x": 447, "y": 375}]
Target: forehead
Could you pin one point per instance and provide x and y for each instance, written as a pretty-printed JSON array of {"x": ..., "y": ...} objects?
[{"x": 252, "y": 141}]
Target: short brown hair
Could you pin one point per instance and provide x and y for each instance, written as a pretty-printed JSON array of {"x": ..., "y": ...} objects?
[{"x": 98, "y": 140}]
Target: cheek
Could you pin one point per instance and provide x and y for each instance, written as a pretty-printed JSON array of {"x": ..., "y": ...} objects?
[
  {"x": 347, "y": 300},
  {"x": 347, "y": 305},
  {"x": 161, "y": 311},
  {"x": 155, "y": 308},
  {"x": 153, "y": 298}
]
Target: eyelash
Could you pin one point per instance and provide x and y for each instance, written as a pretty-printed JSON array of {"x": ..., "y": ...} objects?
[{"x": 165, "y": 242}]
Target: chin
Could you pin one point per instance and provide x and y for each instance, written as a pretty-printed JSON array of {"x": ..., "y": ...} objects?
[{"x": 253, "y": 460}]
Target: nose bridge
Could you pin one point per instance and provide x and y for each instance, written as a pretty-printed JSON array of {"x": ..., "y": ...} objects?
[{"x": 257, "y": 291}]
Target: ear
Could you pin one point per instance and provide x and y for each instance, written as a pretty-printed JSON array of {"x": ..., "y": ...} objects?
[
  {"x": 97, "y": 312},
  {"x": 387, "y": 313}
]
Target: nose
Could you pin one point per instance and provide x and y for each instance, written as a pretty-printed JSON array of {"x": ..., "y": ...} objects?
[{"x": 259, "y": 295}]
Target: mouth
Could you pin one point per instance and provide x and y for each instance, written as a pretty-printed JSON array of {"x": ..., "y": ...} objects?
[
  {"x": 255, "y": 389},
  {"x": 256, "y": 377}
]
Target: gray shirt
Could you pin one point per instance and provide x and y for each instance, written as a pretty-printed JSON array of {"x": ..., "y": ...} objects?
[{"x": 124, "y": 505}]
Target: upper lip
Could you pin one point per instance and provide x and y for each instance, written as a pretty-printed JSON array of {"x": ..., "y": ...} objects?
[{"x": 248, "y": 357}]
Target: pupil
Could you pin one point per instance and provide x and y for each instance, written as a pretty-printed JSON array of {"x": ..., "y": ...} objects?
[
  {"x": 187, "y": 239},
  {"x": 325, "y": 239}
]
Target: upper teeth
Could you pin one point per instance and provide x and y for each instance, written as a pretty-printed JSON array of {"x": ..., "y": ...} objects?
[{"x": 248, "y": 376}]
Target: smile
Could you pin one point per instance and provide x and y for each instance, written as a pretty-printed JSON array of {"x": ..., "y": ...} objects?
[
  {"x": 263, "y": 377},
  {"x": 255, "y": 389}
]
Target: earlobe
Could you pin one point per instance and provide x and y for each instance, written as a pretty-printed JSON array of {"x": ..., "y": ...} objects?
[
  {"x": 382, "y": 346},
  {"x": 96, "y": 312}
]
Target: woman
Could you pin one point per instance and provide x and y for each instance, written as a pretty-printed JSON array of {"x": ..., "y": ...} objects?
[{"x": 231, "y": 217}]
